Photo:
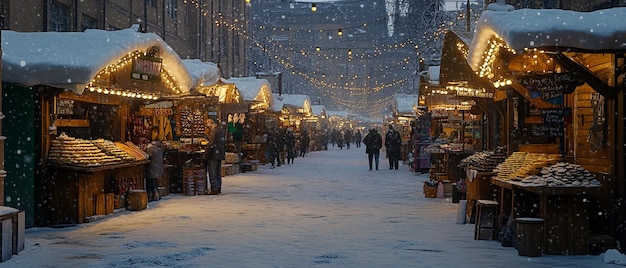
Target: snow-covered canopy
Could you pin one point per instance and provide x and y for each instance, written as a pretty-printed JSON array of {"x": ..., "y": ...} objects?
[
  {"x": 601, "y": 30},
  {"x": 433, "y": 75},
  {"x": 342, "y": 113},
  {"x": 226, "y": 92},
  {"x": 301, "y": 102},
  {"x": 72, "y": 59},
  {"x": 403, "y": 104},
  {"x": 202, "y": 73},
  {"x": 318, "y": 110},
  {"x": 254, "y": 90}
]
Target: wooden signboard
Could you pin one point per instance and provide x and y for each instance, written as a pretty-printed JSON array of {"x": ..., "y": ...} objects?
[{"x": 550, "y": 86}]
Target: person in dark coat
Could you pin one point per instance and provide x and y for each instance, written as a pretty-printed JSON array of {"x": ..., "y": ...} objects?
[
  {"x": 272, "y": 146},
  {"x": 393, "y": 142},
  {"x": 154, "y": 169},
  {"x": 373, "y": 142},
  {"x": 290, "y": 145},
  {"x": 357, "y": 138},
  {"x": 213, "y": 156},
  {"x": 347, "y": 137},
  {"x": 304, "y": 142}
]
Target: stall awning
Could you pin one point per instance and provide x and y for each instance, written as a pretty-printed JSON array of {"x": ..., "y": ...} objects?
[
  {"x": 403, "y": 104},
  {"x": 550, "y": 36},
  {"x": 226, "y": 92},
  {"x": 253, "y": 90},
  {"x": 72, "y": 60},
  {"x": 302, "y": 103}
]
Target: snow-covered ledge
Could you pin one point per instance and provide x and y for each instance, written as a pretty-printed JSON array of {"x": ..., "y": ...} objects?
[{"x": 500, "y": 5}]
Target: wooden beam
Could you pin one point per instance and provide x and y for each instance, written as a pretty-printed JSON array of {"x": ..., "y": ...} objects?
[
  {"x": 588, "y": 76},
  {"x": 537, "y": 102}
]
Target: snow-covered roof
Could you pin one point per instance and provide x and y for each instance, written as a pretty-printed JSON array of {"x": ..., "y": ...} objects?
[
  {"x": 302, "y": 102},
  {"x": 254, "y": 90},
  {"x": 225, "y": 91},
  {"x": 318, "y": 110},
  {"x": 343, "y": 113},
  {"x": 72, "y": 59},
  {"x": 403, "y": 104},
  {"x": 202, "y": 73},
  {"x": 433, "y": 74},
  {"x": 543, "y": 28}
]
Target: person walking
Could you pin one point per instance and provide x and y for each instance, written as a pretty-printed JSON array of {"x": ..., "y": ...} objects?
[
  {"x": 213, "y": 156},
  {"x": 392, "y": 146},
  {"x": 304, "y": 142},
  {"x": 348, "y": 138},
  {"x": 272, "y": 146},
  {"x": 290, "y": 145},
  {"x": 357, "y": 138},
  {"x": 373, "y": 141},
  {"x": 154, "y": 169}
]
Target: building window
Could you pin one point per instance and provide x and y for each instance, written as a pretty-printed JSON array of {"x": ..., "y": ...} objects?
[
  {"x": 89, "y": 23},
  {"x": 59, "y": 19},
  {"x": 303, "y": 36},
  {"x": 172, "y": 8}
]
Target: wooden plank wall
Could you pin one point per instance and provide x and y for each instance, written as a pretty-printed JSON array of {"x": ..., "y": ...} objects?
[{"x": 598, "y": 161}]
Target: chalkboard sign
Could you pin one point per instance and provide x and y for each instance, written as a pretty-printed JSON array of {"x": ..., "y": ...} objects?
[
  {"x": 547, "y": 130},
  {"x": 551, "y": 86},
  {"x": 553, "y": 122},
  {"x": 65, "y": 106}
]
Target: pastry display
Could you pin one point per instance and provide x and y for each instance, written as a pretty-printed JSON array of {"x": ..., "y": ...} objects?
[
  {"x": 563, "y": 174},
  {"x": 74, "y": 151},
  {"x": 484, "y": 161},
  {"x": 68, "y": 150},
  {"x": 510, "y": 165},
  {"x": 111, "y": 149}
]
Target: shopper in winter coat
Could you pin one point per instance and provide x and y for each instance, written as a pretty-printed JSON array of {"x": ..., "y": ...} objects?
[
  {"x": 272, "y": 146},
  {"x": 290, "y": 144},
  {"x": 304, "y": 142},
  {"x": 373, "y": 142},
  {"x": 213, "y": 156},
  {"x": 154, "y": 170},
  {"x": 392, "y": 145},
  {"x": 348, "y": 138},
  {"x": 358, "y": 138}
]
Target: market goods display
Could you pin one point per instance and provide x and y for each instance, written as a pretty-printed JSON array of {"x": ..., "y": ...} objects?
[
  {"x": 510, "y": 165},
  {"x": 111, "y": 149},
  {"x": 484, "y": 161},
  {"x": 132, "y": 150},
  {"x": 74, "y": 151},
  {"x": 231, "y": 158},
  {"x": 533, "y": 164},
  {"x": 563, "y": 174},
  {"x": 522, "y": 164}
]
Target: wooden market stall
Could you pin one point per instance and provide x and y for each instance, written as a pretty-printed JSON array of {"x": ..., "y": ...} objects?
[
  {"x": 83, "y": 97},
  {"x": 403, "y": 116},
  {"x": 563, "y": 99},
  {"x": 257, "y": 97}
]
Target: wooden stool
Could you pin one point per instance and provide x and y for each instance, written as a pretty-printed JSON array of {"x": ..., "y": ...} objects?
[{"x": 486, "y": 215}]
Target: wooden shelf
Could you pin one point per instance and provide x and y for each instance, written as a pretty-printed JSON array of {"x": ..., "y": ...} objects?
[{"x": 71, "y": 123}]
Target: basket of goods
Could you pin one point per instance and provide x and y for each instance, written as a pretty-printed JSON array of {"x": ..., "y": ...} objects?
[{"x": 430, "y": 189}]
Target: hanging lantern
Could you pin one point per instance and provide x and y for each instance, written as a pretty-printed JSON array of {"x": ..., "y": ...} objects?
[
  {"x": 339, "y": 32},
  {"x": 313, "y": 7}
]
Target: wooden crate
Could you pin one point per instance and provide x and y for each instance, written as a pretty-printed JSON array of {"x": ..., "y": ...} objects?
[{"x": 430, "y": 191}]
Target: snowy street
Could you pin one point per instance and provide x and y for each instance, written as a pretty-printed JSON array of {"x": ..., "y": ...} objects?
[{"x": 326, "y": 210}]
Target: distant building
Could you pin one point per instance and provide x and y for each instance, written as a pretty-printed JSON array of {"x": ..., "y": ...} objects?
[{"x": 189, "y": 27}]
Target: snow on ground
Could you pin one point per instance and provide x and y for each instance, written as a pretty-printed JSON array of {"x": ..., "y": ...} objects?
[{"x": 326, "y": 210}]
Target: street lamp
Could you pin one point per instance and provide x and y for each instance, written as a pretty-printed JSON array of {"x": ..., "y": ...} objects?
[{"x": 313, "y": 7}]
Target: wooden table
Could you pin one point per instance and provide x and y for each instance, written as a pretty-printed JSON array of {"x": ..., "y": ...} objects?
[{"x": 565, "y": 211}]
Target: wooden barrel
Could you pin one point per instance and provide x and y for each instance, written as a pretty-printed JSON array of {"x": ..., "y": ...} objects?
[
  {"x": 136, "y": 200},
  {"x": 529, "y": 236}
]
